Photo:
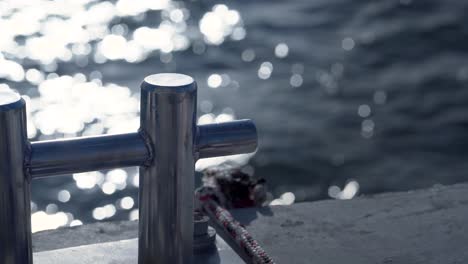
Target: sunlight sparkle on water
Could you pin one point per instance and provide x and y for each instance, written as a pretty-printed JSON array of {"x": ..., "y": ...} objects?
[
  {"x": 51, "y": 208},
  {"x": 177, "y": 15},
  {"x": 34, "y": 76},
  {"x": 364, "y": 110},
  {"x": 136, "y": 179},
  {"x": 8, "y": 95},
  {"x": 380, "y": 97},
  {"x": 214, "y": 80},
  {"x": 72, "y": 102},
  {"x": 113, "y": 47},
  {"x": 108, "y": 188},
  {"x": 296, "y": 80},
  {"x": 347, "y": 44},
  {"x": 349, "y": 191},
  {"x": 11, "y": 70},
  {"x": 64, "y": 196},
  {"x": 107, "y": 211},
  {"x": 42, "y": 221},
  {"x": 117, "y": 176},
  {"x": 72, "y": 30},
  {"x": 367, "y": 128},
  {"x": 206, "y": 106},
  {"x": 76, "y": 223},
  {"x": 265, "y": 70},
  {"x": 286, "y": 198},
  {"x": 115, "y": 179},
  {"x": 88, "y": 180},
  {"x": 248, "y": 55},
  {"x": 211, "y": 118},
  {"x": 220, "y": 23},
  {"x": 127, "y": 203},
  {"x": 281, "y": 50},
  {"x": 133, "y": 215},
  {"x": 40, "y": 37},
  {"x": 136, "y": 7}
]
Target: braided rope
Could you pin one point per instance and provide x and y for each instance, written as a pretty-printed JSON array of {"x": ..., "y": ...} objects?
[{"x": 243, "y": 240}]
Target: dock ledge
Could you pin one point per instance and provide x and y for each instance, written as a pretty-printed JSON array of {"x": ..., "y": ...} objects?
[{"x": 424, "y": 226}]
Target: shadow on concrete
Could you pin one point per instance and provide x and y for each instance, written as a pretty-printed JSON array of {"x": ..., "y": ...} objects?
[
  {"x": 247, "y": 215},
  {"x": 210, "y": 257}
]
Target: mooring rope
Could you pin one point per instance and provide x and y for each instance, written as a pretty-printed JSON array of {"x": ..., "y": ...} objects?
[{"x": 231, "y": 230}]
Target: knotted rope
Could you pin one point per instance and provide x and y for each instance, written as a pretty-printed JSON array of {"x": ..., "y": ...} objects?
[{"x": 232, "y": 231}]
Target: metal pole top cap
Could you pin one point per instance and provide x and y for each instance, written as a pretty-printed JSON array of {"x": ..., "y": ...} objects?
[
  {"x": 9, "y": 99},
  {"x": 169, "y": 82}
]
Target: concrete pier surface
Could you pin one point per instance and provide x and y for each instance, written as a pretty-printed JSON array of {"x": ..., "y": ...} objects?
[{"x": 425, "y": 226}]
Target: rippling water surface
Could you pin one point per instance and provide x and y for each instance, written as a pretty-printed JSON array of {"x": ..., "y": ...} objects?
[{"x": 350, "y": 97}]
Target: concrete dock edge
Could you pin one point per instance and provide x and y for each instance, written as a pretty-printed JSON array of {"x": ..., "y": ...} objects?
[{"x": 423, "y": 226}]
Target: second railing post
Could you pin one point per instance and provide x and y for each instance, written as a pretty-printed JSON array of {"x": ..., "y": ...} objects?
[
  {"x": 15, "y": 210},
  {"x": 168, "y": 120}
]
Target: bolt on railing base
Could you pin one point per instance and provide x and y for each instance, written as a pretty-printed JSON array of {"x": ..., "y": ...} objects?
[{"x": 204, "y": 236}]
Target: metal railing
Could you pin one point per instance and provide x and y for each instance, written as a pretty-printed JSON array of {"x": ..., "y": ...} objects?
[{"x": 165, "y": 148}]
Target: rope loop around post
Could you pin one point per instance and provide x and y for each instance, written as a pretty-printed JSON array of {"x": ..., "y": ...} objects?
[{"x": 232, "y": 231}]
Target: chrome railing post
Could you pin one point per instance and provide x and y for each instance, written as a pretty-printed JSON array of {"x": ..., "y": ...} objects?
[
  {"x": 15, "y": 208},
  {"x": 168, "y": 123}
]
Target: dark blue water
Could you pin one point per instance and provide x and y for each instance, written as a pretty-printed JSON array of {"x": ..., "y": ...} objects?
[
  {"x": 381, "y": 96},
  {"x": 409, "y": 65}
]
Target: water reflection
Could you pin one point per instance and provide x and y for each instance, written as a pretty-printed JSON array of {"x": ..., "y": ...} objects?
[
  {"x": 214, "y": 80},
  {"x": 265, "y": 70},
  {"x": 220, "y": 23},
  {"x": 296, "y": 80},
  {"x": 47, "y": 48},
  {"x": 43, "y": 221},
  {"x": 281, "y": 50},
  {"x": 63, "y": 196},
  {"x": 348, "y": 44},
  {"x": 350, "y": 190},
  {"x": 48, "y": 31},
  {"x": 106, "y": 211},
  {"x": 248, "y": 55},
  {"x": 39, "y": 36}
]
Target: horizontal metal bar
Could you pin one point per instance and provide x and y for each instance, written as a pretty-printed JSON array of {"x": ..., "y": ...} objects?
[
  {"x": 86, "y": 154},
  {"x": 74, "y": 155},
  {"x": 235, "y": 137}
]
